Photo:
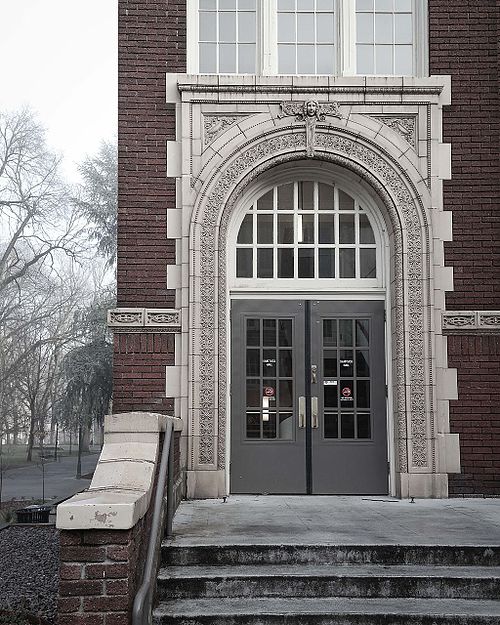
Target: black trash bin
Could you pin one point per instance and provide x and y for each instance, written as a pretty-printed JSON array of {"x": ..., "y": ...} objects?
[{"x": 33, "y": 514}]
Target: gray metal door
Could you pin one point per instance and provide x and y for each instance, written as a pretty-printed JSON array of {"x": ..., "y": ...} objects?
[{"x": 308, "y": 397}]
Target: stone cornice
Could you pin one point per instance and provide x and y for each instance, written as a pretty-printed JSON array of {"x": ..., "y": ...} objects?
[{"x": 471, "y": 321}]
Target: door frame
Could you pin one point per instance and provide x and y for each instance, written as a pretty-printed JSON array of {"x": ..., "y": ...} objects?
[{"x": 370, "y": 295}]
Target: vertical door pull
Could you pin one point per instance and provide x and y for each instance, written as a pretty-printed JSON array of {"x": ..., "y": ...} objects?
[
  {"x": 314, "y": 412},
  {"x": 314, "y": 374},
  {"x": 302, "y": 412}
]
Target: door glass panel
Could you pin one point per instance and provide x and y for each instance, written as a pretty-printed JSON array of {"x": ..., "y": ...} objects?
[
  {"x": 345, "y": 332},
  {"x": 347, "y": 425},
  {"x": 330, "y": 395},
  {"x": 364, "y": 425},
  {"x": 285, "y": 332},
  {"x": 253, "y": 331},
  {"x": 362, "y": 332},
  {"x": 285, "y": 425},
  {"x": 285, "y": 393},
  {"x": 253, "y": 424},
  {"x": 329, "y": 332},
  {"x": 362, "y": 365},
  {"x": 269, "y": 332},
  {"x": 346, "y": 362},
  {"x": 331, "y": 425},
  {"x": 269, "y": 362},
  {"x": 285, "y": 369},
  {"x": 253, "y": 393},
  {"x": 363, "y": 393},
  {"x": 269, "y": 423},
  {"x": 253, "y": 358},
  {"x": 330, "y": 364}
]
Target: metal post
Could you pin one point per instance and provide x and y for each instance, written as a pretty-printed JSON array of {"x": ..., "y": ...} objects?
[{"x": 170, "y": 489}]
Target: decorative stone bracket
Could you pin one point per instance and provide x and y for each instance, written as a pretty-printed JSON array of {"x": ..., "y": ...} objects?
[
  {"x": 464, "y": 321},
  {"x": 144, "y": 320}
]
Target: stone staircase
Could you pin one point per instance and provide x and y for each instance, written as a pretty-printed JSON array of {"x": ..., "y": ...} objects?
[{"x": 328, "y": 585}]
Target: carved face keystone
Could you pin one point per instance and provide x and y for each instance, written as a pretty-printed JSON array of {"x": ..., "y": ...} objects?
[{"x": 311, "y": 108}]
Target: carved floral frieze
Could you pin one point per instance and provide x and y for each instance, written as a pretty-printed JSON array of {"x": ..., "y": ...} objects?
[
  {"x": 404, "y": 125},
  {"x": 131, "y": 320},
  {"x": 462, "y": 321}
]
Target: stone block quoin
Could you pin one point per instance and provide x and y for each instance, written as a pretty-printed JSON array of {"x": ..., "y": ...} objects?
[
  {"x": 463, "y": 42},
  {"x": 475, "y": 415}
]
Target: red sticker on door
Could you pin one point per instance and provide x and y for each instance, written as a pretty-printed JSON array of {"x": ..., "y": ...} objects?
[
  {"x": 268, "y": 391},
  {"x": 346, "y": 391}
]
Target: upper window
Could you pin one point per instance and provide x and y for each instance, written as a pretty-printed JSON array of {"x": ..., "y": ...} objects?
[
  {"x": 306, "y": 229},
  {"x": 308, "y": 37}
]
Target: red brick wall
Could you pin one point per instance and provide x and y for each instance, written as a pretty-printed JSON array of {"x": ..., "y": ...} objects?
[
  {"x": 463, "y": 37},
  {"x": 139, "y": 372},
  {"x": 151, "y": 42},
  {"x": 476, "y": 414}
]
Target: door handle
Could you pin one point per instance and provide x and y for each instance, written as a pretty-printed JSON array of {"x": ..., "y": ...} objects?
[
  {"x": 314, "y": 374},
  {"x": 302, "y": 412},
  {"x": 314, "y": 412}
]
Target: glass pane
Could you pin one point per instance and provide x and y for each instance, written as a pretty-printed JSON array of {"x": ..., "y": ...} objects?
[
  {"x": 347, "y": 425},
  {"x": 269, "y": 363},
  {"x": 227, "y": 26},
  {"x": 286, "y": 5},
  {"x": 364, "y": 5},
  {"x": 208, "y": 58},
  {"x": 253, "y": 424},
  {"x": 362, "y": 332},
  {"x": 346, "y": 229},
  {"x": 383, "y": 5},
  {"x": 345, "y": 332},
  {"x": 347, "y": 263},
  {"x": 363, "y": 393},
  {"x": 285, "y": 263},
  {"x": 383, "y": 28},
  {"x": 383, "y": 60},
  {"x": 268, "y": 424},
  {"x": 227, "y": 58},
  {"x": 245, "y": 5},
  {"x": 227, "y": 4},
  {"x": 285, "y": 332},
  {"x": 305, "y": 27},
  {"x": 285, "y": 228},
  {"x": 253, "y": 393},
  {"x": 325, "y": 27},
  {"x": 286, "y": 27},
  {"x": 325, "y": 5},
  {"x": 285, "y": 425},
  {"x": 330, "y": 395},
  {"x": 285, "y": 393},
  {"x": 246, "y": 27},
  {"x": 253, "y": 332},
  {"x": 330, "y": 364},
  {"x": 305, "y": 59},
  {"x": 326, "y": 229},
  {"x": 326, "y": 60},
  {"x": 265, "y": 203},
  {"x": 364, "y": 425},
  {"x": 246, "y": 58},
  {"x": 403, "y": 62},
  {"x": 364, "y": 28},
  {"x": 209, "y": 5},
  {"x": 364, "y": 59},
  {"x": 346, "y": 363},
  {"x": 329, "y": 332},
  {"x": 362, "y": 364},
  {"x": 208, "y": 26},
  {"x": 326, "y": 197},
  {"x": 403, "y": 29},
  {"x": 253, "y": 357},
  {"x": 346, "y": 202},
  {"x": 305, "y": 5},
  {"x": 264, "y": 228},
  {"x": 286, "y": 59},
  {"x": 305, "y": 228},
  {"x": 244, "y": 263},
  {"x": 403, "y": 5},
  {"x": 306, "y": 190},
  {"x": 365, "y": 230},
  {"x": 285, "y": 370},
  {"x": 265, "y": 262},
  {"x": 346, "y": 394},
  {"x": 245, "y": 235},
  {"x": 285, "y": 197},
  {"x": 331, "y": 425},
  {"x": 306, "y": 262},
  {"x": 269, "y": 332},
  {"x": 367, "y": 263},
  {"x": 326, "y": 263}
]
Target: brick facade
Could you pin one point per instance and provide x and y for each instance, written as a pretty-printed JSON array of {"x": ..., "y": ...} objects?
[
  {"x": 152, "y": 41},
  {"x": 464, "y": 39}
]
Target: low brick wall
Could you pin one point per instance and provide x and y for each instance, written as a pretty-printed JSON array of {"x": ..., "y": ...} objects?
[{"x": 99, "y": 575}]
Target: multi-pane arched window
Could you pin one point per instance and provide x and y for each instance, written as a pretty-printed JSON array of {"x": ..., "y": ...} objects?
[{"x": 306, "y": 230}]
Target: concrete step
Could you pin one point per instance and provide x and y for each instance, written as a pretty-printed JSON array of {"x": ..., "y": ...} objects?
[
  {"x": 321, "y": 611},
  {"x": 421, "y": 555},
  {"x": 176, "y": 582}
]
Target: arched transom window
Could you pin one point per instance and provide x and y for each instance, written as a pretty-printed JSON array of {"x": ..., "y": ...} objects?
[{"x": 306, "y": 229}]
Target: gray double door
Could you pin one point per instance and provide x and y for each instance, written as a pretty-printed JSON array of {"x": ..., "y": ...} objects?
[{"x": 308, "y": 397}]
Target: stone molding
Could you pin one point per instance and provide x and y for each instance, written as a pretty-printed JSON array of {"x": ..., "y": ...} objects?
[
  {"x": 471, "y": 321},
  {"x": 215, "y": 125},
  {"x": 404, "y": 125},
  {"x": 133, "y": 320}
]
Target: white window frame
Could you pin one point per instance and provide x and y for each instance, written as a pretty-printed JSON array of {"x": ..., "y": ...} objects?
[{"x": 267, "y": 47}]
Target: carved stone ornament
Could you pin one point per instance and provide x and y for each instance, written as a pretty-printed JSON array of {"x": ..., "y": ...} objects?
[
  {"x": 404, "y": 126},
  {"x": 414, "y": 407},
  {"x": 467, "y": 320},
  {"x": 489, "y": 320},
  {"x": 215, "y": 125},
  {"x": 478, "y": 320},
  {"x": 133, "y": 320},
  {"x": 310, "y": 112}
]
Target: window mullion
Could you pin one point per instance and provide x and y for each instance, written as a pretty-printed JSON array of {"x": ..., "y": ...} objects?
[
  {"x": 346, "y": 33},
  {"x": 268, "y": 42}
]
